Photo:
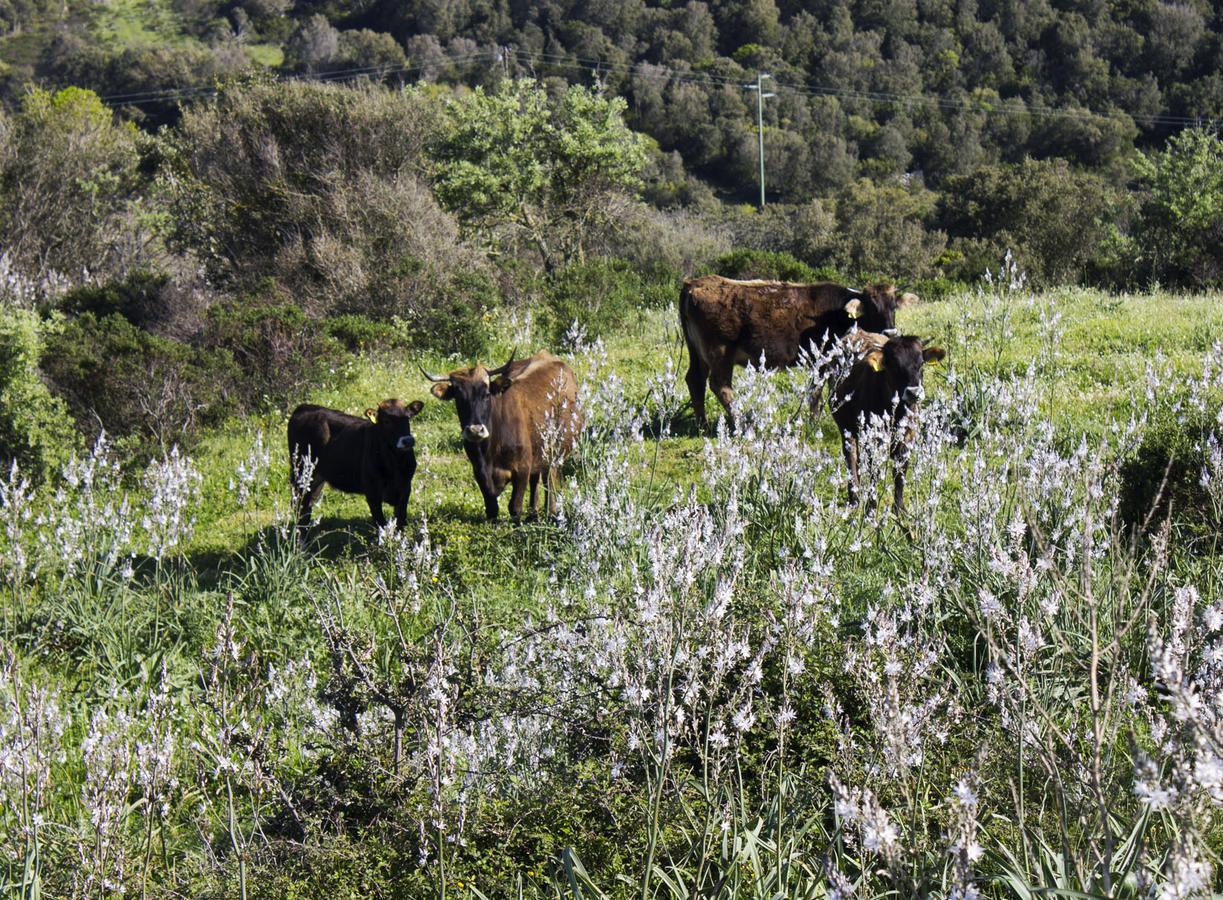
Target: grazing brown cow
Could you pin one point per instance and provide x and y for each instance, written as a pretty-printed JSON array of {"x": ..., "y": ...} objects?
[
  {"x": 374, "y": 456},
  {"x": 884, "y": 383},
  {"x": 518, "y": 423},
  {"x": 728, "y": 323}
]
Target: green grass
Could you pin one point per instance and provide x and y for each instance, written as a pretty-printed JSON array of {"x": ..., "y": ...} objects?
[
  {"x": 1105, "y": 345},
  {"x": 498, "y": 576},
  {"x": 140, "y": 23}
]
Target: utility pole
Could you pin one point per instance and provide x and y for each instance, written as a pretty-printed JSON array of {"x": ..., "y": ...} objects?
[{"x": 761, "y": 96}]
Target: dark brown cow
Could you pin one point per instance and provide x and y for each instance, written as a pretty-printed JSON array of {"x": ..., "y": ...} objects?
[
  {"x": 374, "y": 456},
  {"x": 728, "y": 323},
  {"x": 883, "y": 383},
  {"x": 518, "y": 423}
]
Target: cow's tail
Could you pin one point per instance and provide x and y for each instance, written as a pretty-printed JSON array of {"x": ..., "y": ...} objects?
[{"x": 685, "y": 319}]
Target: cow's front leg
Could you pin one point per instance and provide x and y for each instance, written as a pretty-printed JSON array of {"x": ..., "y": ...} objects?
[
  {"x": 518, "y": 481},
  {"x": 401, "y": 514},
  {"x": 374, "y": 499},
  {"x": 849, "y": 446},
  {"x": 534, "y": 494}
]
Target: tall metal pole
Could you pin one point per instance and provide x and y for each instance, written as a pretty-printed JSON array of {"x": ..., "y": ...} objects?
[{"x": 758, "y": 87}]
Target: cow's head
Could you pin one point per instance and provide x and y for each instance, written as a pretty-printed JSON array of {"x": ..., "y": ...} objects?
[
  {"x": 874, "y": 306},
  {"x": 472, "y": 391},
  {"x": 901, "y": 360},
  {"x": 393, "y": 419}
]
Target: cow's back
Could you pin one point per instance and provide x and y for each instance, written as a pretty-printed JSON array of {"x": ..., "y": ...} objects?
[
  {"x": 749, "y": 319},
  {"x": 543, "y": 395},
  {"x": 334, "y": 439}
]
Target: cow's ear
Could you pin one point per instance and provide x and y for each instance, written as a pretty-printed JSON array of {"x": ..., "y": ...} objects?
[
  {"x": 874, "y": 359},
  {"x": 906, "y": 300},
  {"x": 414, "y": 407},
  {"x": 933, "y": 354},
  {"x": 442, "y": 390},
  {"x": 372, "y": 415},
  {"x": 854, "y": 308},
  {"x": 499, "y": 385}
]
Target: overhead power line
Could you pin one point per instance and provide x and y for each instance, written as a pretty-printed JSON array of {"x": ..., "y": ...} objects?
[{"x": 500, "y": 56}]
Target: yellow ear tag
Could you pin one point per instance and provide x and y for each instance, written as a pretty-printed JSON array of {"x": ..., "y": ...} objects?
[
  {"x": 372, "y": 415},
  {"x": 875, "y": 361}
]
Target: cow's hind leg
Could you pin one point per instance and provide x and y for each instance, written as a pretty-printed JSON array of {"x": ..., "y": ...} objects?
[
  {"x": 374, "y": 501},
  {"x": 518, "y": 487},
  {"x": 698, "y": 375},
  {"x": 720, "y": 376}
]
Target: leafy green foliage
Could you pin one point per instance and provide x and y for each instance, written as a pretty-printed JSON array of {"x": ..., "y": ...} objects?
[
  {"x": 68, "y": 177},
  {"x": 35, "y": 427},
  {"x": 1179, "y": 233},
  {"x": 1052, "y": 217},
  {"x": 763, "y": 264},
  {"x": 545, "y": 168},
  {"x": 130, "y": 383},
  {"x": 597, "y": 298}
]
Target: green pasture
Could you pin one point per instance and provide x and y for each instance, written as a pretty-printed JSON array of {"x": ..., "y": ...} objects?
[{"x": 1103, "y": 344}]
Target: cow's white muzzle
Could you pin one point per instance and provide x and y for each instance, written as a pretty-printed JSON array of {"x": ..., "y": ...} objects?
[
  {"x": 407, "y": 442},
  {"x": 474, "y": 433}
]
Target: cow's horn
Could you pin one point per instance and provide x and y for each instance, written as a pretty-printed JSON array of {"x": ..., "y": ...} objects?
[
  {"x": 853, "y": 292},
  {"x": 433, "y": 378},
  {"x": 500, "y": 370}
]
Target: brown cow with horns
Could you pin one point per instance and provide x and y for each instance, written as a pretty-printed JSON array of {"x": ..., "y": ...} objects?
[
  {"x": 727, "y": 323},
  {"x": 519, "y": 421}
]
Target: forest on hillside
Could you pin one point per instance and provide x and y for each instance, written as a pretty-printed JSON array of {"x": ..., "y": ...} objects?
[{"x": 964, "y": 119}]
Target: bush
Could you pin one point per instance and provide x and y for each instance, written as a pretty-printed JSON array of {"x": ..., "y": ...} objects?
[
  {"x": 68, "y": 177},
  {"x": 35, "y": 427},
  {"x": 456, "y": 318},
  {"x": 317, "y": 188},
  {"x": 600, "y": 296},
  {"x": 883, "y": 231},
  {"x": 130, "y": 383},
  {"x": 1179, "y": 232},
  {"x": 1050, "y": 216},
  {"x": 775, "y": 266},
  {"x": 1164, "y": 477},
  {"x": 275, "y": 347}
]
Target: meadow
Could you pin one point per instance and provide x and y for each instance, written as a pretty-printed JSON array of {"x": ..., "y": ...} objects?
[{"x": 708, "y": 676}]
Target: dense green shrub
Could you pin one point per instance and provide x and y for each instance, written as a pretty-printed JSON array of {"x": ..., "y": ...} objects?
[
  {"x": 275, "y": 347},
  {"x": 35, "y": 427},
  {"x": 318, "y": 188},
  {"x": 118, "y": 378},
  {"x": 744, "y": 263},
  {"x": 457, "y": 317},
  {"x": 884, "y": 230},
  {"x": 1179, "y": 232},
  {"x": 1050, "y": 216},
  {"x": 599, "y": 296},
  {"x": 69, "y": 176},
  {"x": 136, "y": 298}
]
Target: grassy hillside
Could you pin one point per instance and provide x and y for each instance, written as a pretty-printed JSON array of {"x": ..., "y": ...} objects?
[{"x": 481, "y": 709}]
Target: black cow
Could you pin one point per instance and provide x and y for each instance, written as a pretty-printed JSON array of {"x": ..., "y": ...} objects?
[
  {"x": 884, "y": 383},
  {"x": 373, "y": 456}
]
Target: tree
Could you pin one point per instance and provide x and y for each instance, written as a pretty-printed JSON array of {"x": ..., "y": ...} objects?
[
  {"x": 1180, "y": 226},
  {"x": 1050, "y": 216},
  {"x": 68, "y": 184},
  {"x": 549, "y": 168}
]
